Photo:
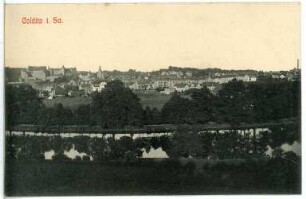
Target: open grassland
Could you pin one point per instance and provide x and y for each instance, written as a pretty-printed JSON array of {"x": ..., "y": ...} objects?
[
  {"x": 150, "y": 177},
  {"x": 68, "y": 102},
  {"x": 151, "y": 99}
]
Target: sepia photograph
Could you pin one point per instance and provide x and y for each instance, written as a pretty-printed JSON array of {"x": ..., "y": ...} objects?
[{"x": 152, "y": 99}]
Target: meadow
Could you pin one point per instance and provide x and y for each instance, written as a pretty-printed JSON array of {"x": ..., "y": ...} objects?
[
  {"x": 68, "y": 102},
  {"x": 151, "y": 99}
]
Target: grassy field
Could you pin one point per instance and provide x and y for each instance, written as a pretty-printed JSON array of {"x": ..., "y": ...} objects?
[
  {"x": 71, "y": 103},
  {"x": 151, "y": 99},
  {"x": 149, "y": 177}
]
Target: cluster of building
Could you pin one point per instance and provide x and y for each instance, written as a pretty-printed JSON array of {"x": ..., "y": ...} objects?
[
  {"x": 62, "y": 81},
  {"x": 67, "y": 81},
  {"x": 168, "y": 86},
  {"x": 43, "y": 73}
]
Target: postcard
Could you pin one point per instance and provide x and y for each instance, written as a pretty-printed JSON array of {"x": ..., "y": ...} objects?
[{"x": 142, "y": 99}]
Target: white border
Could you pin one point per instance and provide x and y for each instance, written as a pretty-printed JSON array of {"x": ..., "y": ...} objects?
[
  {"x": 145, "y": 1},
  {"x": 1, "y": 99}
]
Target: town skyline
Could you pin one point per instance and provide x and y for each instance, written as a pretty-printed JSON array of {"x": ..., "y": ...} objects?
[
  {"x": 95, "y": 69},
  {"x": 148, "y": 37}
]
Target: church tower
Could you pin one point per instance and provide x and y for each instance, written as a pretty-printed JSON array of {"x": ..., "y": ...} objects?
[{"x": 100, "y": 74}]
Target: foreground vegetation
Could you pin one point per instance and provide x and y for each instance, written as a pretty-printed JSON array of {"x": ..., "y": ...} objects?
[
  {"x": 152, "y": 177},
  {"x": 228, "y": 163},
  {"x": 186, "y": 142},
  {"x": 117, "y": 107},
  {"x": 117, "y": 168}
]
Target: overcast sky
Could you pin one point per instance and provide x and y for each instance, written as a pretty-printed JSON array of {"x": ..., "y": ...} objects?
[{"x": 152, "y": 36}]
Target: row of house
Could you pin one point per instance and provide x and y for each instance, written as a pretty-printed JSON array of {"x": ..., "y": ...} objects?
[
  {"x": 85, "y": 82},
  {"x": 181, "y": 85},
  {"x": 72, "y": 88}
]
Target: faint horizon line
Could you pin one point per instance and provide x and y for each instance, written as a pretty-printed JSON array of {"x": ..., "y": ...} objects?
[{"x": 161, "y": 68}]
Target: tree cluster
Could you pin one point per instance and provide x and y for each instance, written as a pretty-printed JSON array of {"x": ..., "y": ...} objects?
[
  {"x": 237, "y": 102},
  {"x": 186, "y": 142},
  {"x": 117, "y": 106}
]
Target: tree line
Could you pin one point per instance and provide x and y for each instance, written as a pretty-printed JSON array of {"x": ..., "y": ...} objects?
[
  {"x": 186, "y": 142},
  {"x": 117, "y": 106}
]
